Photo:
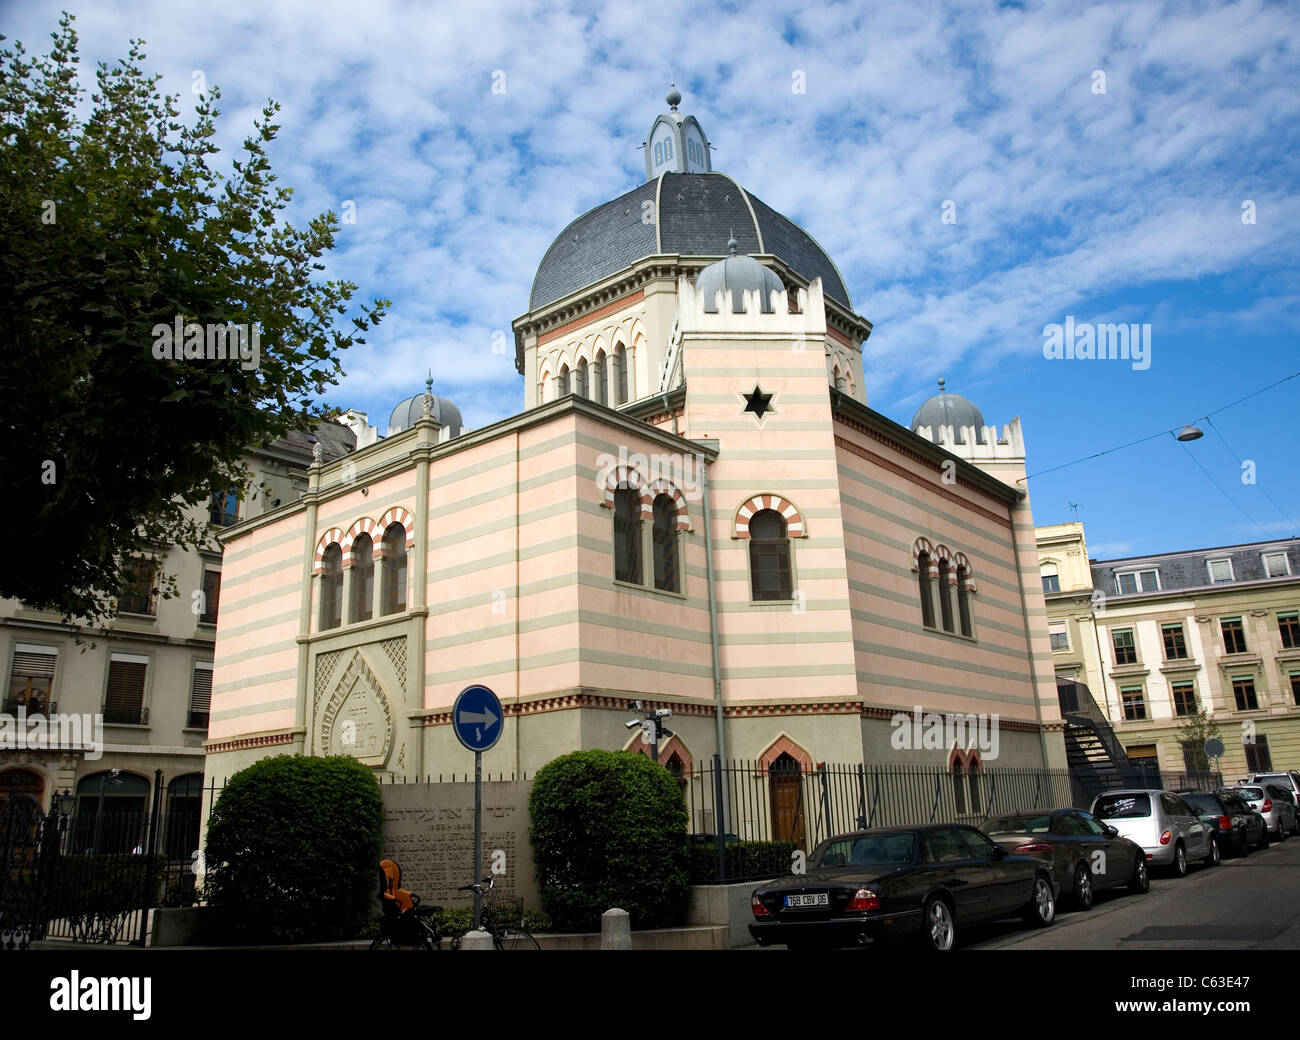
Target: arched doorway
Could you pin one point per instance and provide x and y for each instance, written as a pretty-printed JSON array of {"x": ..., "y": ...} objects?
[
  {"x": 112, "y": 812},
  {"x": 184, "y": 810},
  {"x": 22, "y": 783},
  {"x": 785, "y": 790}
]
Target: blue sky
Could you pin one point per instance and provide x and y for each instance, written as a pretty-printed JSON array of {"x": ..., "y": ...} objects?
[{"x": 1122, "y": 206}]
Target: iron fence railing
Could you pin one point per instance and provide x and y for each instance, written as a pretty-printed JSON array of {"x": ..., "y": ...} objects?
[{"x": 738, "y": 806}]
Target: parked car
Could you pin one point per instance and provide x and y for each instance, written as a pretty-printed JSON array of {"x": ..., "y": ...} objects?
[
  {"x": 1289, "y": 780},
  {"x": 925, "y": 882},
  {"x": 1169, "y": 830},
  {"x": 1278, "y": 813},
  {"x": 1235, "y": 825},
  {"x": 1086, "y": 856}
]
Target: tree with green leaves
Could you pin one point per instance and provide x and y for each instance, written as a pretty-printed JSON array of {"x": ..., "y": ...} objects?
[
  {"x": 158, "y": 317},
  {"x": 1194, "y": 731}
]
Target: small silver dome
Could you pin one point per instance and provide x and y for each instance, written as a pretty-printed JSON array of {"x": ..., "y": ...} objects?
[
  {"x": 740, "y": 274},
  {"x": 945, "y": 409},
  {"x": 445, "y": 413}
]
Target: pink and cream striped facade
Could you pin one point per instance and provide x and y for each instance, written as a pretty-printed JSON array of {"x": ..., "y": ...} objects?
[{"x": 510, "y": 571}]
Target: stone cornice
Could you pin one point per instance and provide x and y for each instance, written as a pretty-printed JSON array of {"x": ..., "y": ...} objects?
[{"x": 269, "y": 738}]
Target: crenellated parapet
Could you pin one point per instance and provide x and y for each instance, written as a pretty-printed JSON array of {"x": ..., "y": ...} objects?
[{"x": 978, "y": 444}]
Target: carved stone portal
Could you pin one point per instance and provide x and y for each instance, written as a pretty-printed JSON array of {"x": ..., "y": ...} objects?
[{"x": 358, "y": 716}]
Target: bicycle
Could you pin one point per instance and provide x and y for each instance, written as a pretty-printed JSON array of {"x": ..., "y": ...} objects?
[
  {"x": 417, "y": 929},
  {"x": 506, "y": 928}
]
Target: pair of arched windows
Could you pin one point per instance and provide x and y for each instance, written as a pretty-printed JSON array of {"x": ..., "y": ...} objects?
[
  {"x": 629, "y": 536},
  {"x": 947, "y": 581},
  {"x": 592, "y": 381},
  {"x": 362, "y": 592}
]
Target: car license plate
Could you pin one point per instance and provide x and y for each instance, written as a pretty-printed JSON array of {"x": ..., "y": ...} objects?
[{"x": 812, "y": 899}]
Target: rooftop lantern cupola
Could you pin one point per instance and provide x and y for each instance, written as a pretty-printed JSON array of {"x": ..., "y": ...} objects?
[{"x": 676, "y": 143}]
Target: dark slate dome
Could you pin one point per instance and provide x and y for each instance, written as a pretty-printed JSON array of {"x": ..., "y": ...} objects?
[
  {"x": 697, "y": 213},
  {"x": 740, "y": 274},
  {"x": 945, "y": 409}
]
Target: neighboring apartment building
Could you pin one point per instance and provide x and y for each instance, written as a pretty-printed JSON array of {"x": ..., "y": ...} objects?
[
  {"x": 1156, "y": 638},
  {"x": 150, "y": 676}
]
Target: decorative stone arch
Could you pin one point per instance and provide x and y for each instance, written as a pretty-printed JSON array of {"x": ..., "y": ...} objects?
[
  {"x": 794, "y": 522},
  {"x": 783, "y": 745},
  {"x": 330, "y": 537},
  {"x": 396, "y": 515},
  {"x": 923, "y": 545},
  {"x": 663, "y": 486},
  {"x": 957, "y": 759},
  {"x": 960, "y": 560},
  {"x": 672, "y": 746},
  {"x": 45, "y": 786},
  {"x": 632, "y": 478},
  {"x": 359, "y": 527}
]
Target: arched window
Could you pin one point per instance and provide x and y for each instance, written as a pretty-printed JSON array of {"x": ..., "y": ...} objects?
[
  {"x": 562, "y": 389},
  {"x": 839, "y": 379},
  {"x": 627, "y": 536},
  {"x": 958, "y": 787},
  {"x": 677, "y": 770},
  {"x": 331, "y": 587},
  {"x": 667, "y": 566},
  {"x": 1051, "y": 580},
  {"x": 583, "y": 389},
  {"x": 620, "y": 375},
  {"x": 394, "y": 569},
  {"x": 363, "y": 579},
  {"x": 923, "y": 578},
  {"x": 769, "y": 556},
  {"x": 963, "y": 601},
  {"x": 945, "y": 596},
  {"x": 598, "y": 374},
  {"x": 974, "y": 770},
  {"x": 184, "y": 811}
]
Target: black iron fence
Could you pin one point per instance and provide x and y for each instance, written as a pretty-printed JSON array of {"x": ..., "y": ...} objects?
[
  {"x": 92, "y": 874},
  {"x": 747, "y": 818}
]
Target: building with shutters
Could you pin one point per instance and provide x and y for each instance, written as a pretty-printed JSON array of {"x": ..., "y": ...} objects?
[
  {"x": 1156, "y": 639},
  {"x": 697, "y": 507},
  {"x": 150, "y": 677}
]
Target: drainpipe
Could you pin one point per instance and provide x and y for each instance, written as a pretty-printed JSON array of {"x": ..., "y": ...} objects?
[{"x": 723, "y": 828}]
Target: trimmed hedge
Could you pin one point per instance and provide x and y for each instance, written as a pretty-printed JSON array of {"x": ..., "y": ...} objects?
[
  {"x": 608, "y": 829},
  {"x": 292, "y": 848}
]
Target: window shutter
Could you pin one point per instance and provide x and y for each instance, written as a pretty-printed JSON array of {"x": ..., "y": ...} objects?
[
  {"x": 125, "y": 686},
  {"x": 34, "y": 666},
  {"x": 201, "y": 691}
]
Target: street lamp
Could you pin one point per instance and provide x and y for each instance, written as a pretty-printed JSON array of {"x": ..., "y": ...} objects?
[{"x": 1190, "y": 433}]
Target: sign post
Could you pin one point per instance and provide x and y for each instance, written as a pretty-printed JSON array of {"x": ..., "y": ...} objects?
[{"x": 477, "y": 719}]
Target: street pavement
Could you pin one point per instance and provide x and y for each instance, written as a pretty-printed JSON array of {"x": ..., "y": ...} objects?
[{"x": 1242, "y": 904}]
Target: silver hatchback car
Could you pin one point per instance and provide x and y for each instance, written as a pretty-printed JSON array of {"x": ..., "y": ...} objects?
[
  {"x": 1169, "y": 830},
  {"x": 1271, "y": 802}
]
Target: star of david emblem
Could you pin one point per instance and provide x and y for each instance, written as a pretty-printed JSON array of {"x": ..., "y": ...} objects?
[{"x": 758, "y": 402}]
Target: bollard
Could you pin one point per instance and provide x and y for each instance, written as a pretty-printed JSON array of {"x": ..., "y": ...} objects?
[
  {"x": 615, "y": 930},
  {"x": 479, "y": 940}
]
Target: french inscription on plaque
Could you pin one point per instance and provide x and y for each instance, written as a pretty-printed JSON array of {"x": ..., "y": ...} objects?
[{"x": 429, "y": 831}]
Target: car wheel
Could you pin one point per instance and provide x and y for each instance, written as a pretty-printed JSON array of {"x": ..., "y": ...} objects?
[
  {"x": 1141, "y": 879},
  {"x": 1281, "y": 834},
  {"x": 1041, "y": 910},
  {"x": 938, "y": 927},
  {"x": 1180, "y": 860},
  {"x": 1214, "y": 855},
  {"x": 1083, "y": 894}
]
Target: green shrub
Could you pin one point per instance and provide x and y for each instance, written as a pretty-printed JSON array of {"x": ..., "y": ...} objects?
[
  {"x": 608, "y": 829},
  {"x": 94, "y": 893},
  {"x": 293, "y": 850},
  {"x": 459, "y": 920},
  {"x": 746, "y": 860}
]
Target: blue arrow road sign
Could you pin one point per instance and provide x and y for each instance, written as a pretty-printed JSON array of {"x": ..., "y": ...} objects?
[{"x": 477, "y": 718}]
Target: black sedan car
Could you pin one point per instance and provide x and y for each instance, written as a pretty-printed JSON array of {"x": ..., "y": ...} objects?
[
  {"x": 908, "y": 881},
  {"x": 1236, "y": 826},
  {"x": 1086, "y": 855}
]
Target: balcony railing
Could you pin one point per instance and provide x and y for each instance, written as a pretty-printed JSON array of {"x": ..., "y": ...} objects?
[
  {"x": 38, "y": 707},
  {"x": 126, "y": 716}
]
